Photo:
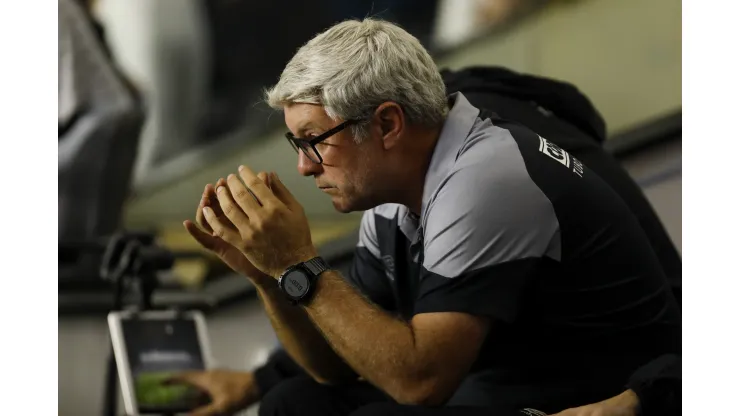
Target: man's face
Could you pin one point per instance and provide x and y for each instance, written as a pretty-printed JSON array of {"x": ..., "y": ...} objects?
[{"x": 346, "y": 174}]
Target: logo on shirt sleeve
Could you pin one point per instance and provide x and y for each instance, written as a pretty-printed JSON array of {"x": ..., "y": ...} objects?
[
  {"x": 560, "y": 155},
  {"x": 390, "y": 266}
]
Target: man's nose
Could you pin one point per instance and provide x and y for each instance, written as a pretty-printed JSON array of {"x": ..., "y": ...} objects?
[{"x": 306, "y": 167}]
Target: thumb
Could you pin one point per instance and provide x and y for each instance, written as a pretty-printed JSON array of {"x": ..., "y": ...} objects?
[{"x": 282, "y": 192}]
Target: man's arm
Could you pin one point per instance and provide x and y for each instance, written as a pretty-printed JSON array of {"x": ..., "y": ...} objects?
[
  {"x": 300, "y": 338},
  {"x": 417, "y": 362},
  {"x": 366, "y": 274},
  {"x": 302, "y": 341}
]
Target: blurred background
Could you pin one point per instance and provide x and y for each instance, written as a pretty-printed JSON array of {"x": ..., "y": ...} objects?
[{"x": 197, "y": 69}]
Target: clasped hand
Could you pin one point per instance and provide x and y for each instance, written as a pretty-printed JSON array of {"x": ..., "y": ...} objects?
[{"x": 256, "y": 226}]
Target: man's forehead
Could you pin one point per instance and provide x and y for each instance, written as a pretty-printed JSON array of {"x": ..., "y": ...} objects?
[{"x": 301, "y": 116}]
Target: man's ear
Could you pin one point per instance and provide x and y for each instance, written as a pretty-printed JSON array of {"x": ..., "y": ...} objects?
[{"x": 391, "y": 121}]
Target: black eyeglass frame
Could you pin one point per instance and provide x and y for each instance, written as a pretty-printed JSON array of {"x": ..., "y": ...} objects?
[{"x": 298, "y": 143}]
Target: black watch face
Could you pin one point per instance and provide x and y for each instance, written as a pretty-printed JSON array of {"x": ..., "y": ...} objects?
[{"x": 295, "y": 284}]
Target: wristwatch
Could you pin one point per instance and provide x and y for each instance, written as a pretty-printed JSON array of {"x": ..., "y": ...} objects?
[{"x": 298, "y": 281}]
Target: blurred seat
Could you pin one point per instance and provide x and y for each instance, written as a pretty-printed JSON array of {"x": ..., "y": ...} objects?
[{"x": 100, "y": 120}]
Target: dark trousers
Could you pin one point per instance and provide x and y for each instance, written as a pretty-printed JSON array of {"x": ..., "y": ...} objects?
[{"x": 301, "y": 395}]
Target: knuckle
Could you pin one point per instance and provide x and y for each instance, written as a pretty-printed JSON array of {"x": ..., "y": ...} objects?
[
  {"x": 273, "y": 211},
  {"x": 227, "y": 208},
  {"x": 254, "y": 181},
  {"x": 259, "y": 224},
  {"x": 247, "y": 238},
  {"x": 241, "y": 194}
]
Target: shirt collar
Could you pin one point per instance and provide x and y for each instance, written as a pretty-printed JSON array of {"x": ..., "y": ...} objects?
[{"x": 457, "y": 127}]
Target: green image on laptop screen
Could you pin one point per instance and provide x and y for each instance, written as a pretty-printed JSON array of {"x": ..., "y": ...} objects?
[{"x": 156, "y": 350}]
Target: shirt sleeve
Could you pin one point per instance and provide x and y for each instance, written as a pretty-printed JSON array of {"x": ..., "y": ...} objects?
[
  {"x": 658, "y": 386},
  {"x": 481, "y": 254},
  {"x": 278, "y": 368},
  {"x": 367, "y": 273}
]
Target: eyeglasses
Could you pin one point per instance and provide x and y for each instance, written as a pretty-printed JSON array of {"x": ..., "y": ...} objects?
[{"x": 308, "y": 146}]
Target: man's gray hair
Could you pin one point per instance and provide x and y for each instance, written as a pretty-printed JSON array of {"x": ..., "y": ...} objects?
[{"x": 354, "y": 66}]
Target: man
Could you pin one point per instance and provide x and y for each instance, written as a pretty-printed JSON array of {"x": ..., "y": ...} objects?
[
  {"x": 494, "y": 272},
  {"x": 555, "y": 110}
]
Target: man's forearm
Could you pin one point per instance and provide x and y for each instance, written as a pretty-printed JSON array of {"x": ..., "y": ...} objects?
[
  {"x": 380, "y": 347},
  {"x": 303, "y": 342}
]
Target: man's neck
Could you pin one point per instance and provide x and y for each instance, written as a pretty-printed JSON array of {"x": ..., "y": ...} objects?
[{"x": 420, "y": 156}]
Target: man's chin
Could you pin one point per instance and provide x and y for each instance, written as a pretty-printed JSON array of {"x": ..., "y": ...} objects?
[
  {"x": 341, "y": 205},
  {"x": 346, "y": 205}
]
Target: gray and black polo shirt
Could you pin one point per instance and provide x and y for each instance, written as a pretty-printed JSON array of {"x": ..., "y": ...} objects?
[{"x": 516, "y": 229}]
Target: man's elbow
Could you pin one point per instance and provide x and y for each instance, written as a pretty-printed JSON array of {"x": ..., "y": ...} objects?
[
  {"x": 426, "y": 393},
  {"x": 336, "y": 379},
  {"x": 329, "y": 381}
]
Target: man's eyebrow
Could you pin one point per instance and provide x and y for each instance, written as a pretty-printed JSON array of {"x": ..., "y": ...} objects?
[{"x": 305, "y": 126}]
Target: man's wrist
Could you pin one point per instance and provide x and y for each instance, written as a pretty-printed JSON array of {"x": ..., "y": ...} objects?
[
  {"x": 322, "y": 285},
  {"x": 267, "y": 286},
  {"x": 300, "y": 256},
  {"x": 253, "y": 388},
  {"x": 259, "y": 278},
  {"x": 628, "y": 402}
]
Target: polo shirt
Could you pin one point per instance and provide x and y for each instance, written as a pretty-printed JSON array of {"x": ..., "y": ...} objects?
[{"x": 516, "y": 229}]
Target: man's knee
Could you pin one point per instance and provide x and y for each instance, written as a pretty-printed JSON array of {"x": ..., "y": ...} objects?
[{"x": 300, "y": 395}]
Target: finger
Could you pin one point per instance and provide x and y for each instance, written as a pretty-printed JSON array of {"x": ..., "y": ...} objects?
[
  {"x": 205, "y": 239},
  {"x": 231, "y": 209},
  {"x": 221, "y": 229},
  {"x": 212, "y": 200},
  {"x": 199, "y": 218},
  {"x": 209, "y": 199},
  {"x": 242, "y": 196},
  {"x": 283, "y": 194},
  {"x": 265, "y": 177},
  {"x": 260, "y": 190},
  {"x": 214, "y": 197}
]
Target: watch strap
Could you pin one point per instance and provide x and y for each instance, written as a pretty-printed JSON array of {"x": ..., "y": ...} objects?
[{"x": 316, "y": 266}]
